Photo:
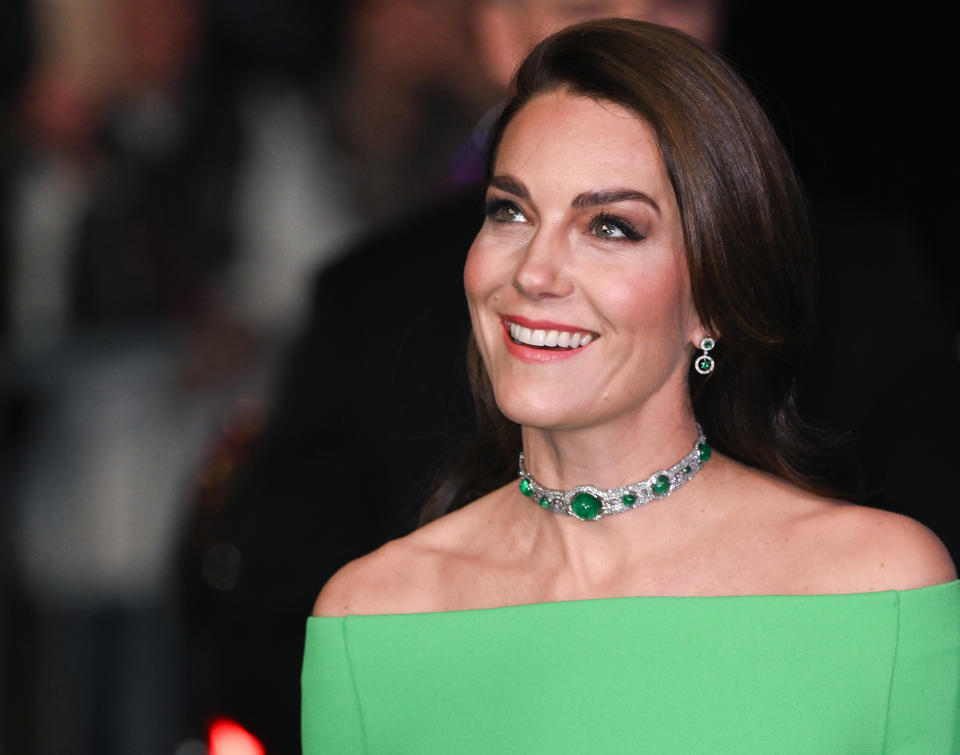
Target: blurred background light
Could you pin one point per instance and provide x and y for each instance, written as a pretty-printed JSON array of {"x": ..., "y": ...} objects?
[{"x": 230, "y": 738}]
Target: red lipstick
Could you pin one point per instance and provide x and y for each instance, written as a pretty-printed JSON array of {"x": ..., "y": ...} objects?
[
  {"x": 543, "y": 324},
  {"x": 538, "y": 354}
]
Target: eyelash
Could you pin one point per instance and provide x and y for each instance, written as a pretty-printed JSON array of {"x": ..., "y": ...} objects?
[
  {"x": 492, "y": 208},
  {"x": 629, "y": 232}
]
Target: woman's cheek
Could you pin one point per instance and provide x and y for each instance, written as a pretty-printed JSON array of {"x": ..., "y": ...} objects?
[
  {"x": 471, "y": 272},
  {"x": 481, "y": 273}
]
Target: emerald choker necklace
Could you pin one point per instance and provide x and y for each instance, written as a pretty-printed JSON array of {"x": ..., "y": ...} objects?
[{"x": 587, "y": 502}]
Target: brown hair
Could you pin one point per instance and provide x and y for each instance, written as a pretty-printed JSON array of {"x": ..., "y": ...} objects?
[{"x": 746, "y": 236}]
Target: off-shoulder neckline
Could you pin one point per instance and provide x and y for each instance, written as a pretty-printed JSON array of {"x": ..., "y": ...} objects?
[{"x": 953, "y": 584}]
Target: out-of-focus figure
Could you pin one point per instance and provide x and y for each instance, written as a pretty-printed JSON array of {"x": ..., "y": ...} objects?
[{"x": 143, "y": 167}]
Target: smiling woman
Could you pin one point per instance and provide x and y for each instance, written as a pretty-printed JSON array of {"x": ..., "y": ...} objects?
[
  {"x": 740, "y": 215},
  {"x": 673, "y": 571},
  {"x": 587, "y": 242}
]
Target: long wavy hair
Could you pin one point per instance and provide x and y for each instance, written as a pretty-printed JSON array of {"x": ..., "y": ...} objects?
[{"x": 746, "y": 237}]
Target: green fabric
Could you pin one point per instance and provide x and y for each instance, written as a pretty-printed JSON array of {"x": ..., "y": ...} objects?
[{"x": 865, "y": 673}]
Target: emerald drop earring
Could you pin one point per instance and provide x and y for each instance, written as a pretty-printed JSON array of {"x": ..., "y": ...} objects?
[{"x": 704, "y": 363}]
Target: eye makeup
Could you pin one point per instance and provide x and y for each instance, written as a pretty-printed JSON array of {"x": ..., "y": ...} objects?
[
  {"x": 605, "y": 226},
  {"x": 502, "y": 210}
]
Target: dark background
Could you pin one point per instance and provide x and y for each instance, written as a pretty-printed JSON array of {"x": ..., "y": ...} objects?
[{"x": 860, "y": 92}]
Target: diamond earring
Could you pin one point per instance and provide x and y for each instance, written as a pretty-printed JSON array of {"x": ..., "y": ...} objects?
[{"x": 704, "y": 363}]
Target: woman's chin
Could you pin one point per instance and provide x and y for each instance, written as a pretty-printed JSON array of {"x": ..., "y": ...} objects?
[{"x": 546, "y": 412}]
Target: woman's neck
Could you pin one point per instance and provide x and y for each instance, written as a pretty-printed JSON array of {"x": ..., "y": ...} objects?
[
  {"x": 589, "y": 553},
  {"x": 615, "y": 454}
]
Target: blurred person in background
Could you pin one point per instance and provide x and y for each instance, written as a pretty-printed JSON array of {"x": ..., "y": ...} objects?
[
  {"x": 143, "y": 167},
  {"x": 410, "y": 86},
  {"x": 117, "y": 219}
]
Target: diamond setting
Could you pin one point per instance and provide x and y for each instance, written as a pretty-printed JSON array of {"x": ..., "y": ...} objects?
[{"x": 588, "y": 503}]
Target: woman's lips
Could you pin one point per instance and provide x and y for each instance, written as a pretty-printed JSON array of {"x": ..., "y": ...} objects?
[{"x": 543, "y": 340}]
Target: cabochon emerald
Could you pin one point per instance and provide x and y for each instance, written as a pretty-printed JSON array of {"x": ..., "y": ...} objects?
[
  {"x": 661, "y": 485},
  {"x": 545, "y": 502},
  {"x": 525, "y": 487},
  {"x": 585, "y": 506},
  {"x": 629, "y": 499},
  {"x": 704, "y": 451}
]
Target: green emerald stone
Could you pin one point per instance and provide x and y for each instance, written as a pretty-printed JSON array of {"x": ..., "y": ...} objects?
[
  {"x": 585, "y": 506},
  {"x": 704, "y": 451},
  {"x": 525, "y": 487},
  {"x": 686, "y": 470},
  {"x": 661, "y": 485},
  {"x": 704, "y": 364},
  {"x": 629, "y": 499},
  {"x": 545, "y": 502}
]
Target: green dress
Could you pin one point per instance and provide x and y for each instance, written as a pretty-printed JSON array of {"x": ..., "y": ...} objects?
[{"x": 864, "y": 673}]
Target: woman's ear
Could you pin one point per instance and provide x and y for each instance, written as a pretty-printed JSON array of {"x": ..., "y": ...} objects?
[
  {"x": 699, "y": 330},
  {"x": 700, "y": 333}
]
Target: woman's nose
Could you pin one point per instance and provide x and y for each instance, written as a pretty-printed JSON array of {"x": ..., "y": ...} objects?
[{"x": 542, "y": 271}]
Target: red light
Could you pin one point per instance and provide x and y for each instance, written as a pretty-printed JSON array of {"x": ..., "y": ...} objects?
[{"x": 230, "y": 738}]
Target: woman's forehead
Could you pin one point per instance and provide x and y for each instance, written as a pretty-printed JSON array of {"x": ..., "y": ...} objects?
[{"x": 571, "y": 138}]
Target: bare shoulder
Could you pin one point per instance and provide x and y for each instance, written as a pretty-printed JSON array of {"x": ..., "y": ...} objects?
[
  {"x": 406, "y": 575},
  {"x": 819, "y": 545},
  {"x": 869, "y": 549},
  {"x": 389, "y": 580}
]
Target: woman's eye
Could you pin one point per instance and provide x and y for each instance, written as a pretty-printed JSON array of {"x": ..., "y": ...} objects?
[
  {"x": 503, "y": 211},
  {"x": 606, "y": 227},
  {"x": 609, "y": 230}
]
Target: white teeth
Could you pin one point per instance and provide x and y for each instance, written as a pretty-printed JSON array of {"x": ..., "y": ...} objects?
[{"x": 549, "y": 338}]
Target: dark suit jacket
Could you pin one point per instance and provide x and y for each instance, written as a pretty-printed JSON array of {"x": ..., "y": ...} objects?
[{"x": 373, "y": 400}]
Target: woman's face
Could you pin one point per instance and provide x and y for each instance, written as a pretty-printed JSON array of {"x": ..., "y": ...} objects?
[{"x": 577, "y": 282}]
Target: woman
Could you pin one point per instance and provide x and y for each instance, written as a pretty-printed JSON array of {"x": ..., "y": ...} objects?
[{"x": 643, "y": 588}]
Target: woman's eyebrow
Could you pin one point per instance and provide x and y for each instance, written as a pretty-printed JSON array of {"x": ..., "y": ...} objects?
[
  {"x": 610, "y": 196},
  {"x": 510, "y": 185}
]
